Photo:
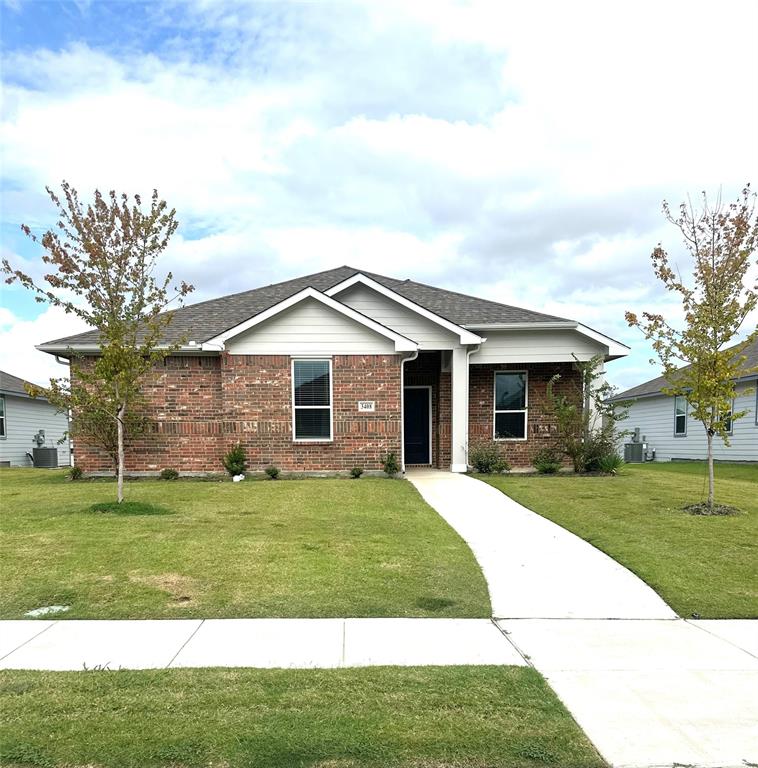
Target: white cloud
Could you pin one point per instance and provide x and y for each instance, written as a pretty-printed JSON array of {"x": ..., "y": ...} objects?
[
  {"x": 18, "y": 338},
  {"x": 519, "y": 152}
]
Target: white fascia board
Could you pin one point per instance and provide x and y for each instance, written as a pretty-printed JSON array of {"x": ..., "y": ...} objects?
[
  {"x": 551, "y": 326},
  {"x": 62, "y": 349},
  {"x": 615, "y": 348},
  {"x": 402, "y": 343},
  {"x": 466, "y": 336}
]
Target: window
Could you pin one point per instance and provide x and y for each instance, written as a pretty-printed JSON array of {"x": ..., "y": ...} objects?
[
  {"x": 2, "y": 415},
  {"x": 680, "y": 416},
  {"x": 728, "y": 424},
  {"x": 510, "y": 405},
  {"x": 312, "y": 399}
]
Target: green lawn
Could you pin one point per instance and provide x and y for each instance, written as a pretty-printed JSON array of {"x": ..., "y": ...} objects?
[
  {"x": 433, "y": 717},
  {"x": 290, "y": 548},
  {"x": 703, "y": 565}
]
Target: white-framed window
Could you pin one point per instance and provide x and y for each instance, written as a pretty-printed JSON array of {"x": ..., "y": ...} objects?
[
  {"x": 680, "y": 416},
  {"x": 2, "y": 416},
  {"x": 312, "y": 400},
  {"x": 511, "y": 405},
  {"x": 756, "y": 405}
]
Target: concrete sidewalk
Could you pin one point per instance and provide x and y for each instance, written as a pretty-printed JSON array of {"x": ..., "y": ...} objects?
[
  {"x": 265, "y": 643},
  {"x": 649, "y": 689},
  {"x": 653, "y": 693}
]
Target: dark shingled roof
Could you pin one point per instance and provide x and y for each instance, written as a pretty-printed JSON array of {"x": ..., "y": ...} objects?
[
  {"x": 12, "y": 384},
  {"x": 203, "y": 321},
  {"x": 654, "y": 386}
]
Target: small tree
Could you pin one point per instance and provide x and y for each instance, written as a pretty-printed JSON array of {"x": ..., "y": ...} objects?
[
  {"x": 103, "y": 258},
  {"x": 586, "y": 418},
  {"x": 721, "y": 241}
]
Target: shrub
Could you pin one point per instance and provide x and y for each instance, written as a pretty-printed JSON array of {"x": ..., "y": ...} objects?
[
  {"x": 75, "y": 473},
  {"x": 390, "y": 464},
  {"x": 611, "y": 463},
  {"x": 272, "y": 472},
  {"x": 235, "y": 462},
  {"x": 597, "y": 447},
  {"x": 546, "y": 461},
  {"x": 485, "y": 457},
  {"x": 168, "y": 474},
  {"x": 356, "y": 472}
]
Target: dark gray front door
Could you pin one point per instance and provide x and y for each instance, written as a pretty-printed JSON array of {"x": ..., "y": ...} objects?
[{"x": 416, "y": 425}]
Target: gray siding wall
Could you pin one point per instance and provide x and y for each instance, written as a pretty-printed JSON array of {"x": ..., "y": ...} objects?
[
  {"x": 655, "y": 418},
  {"x": 24, "y": 417},
  {"x": 427, "y": 334},
  {"x": 548, "y": 346},
  {"x": 310, "y": 328}
]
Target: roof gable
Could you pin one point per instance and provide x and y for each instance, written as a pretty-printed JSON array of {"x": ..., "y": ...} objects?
[
  {"x": 465, "y": 336},
  {"x": 402, "y": 343}
]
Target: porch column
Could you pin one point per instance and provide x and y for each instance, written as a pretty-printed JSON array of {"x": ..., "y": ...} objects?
[{"x": 459, "y": 410}]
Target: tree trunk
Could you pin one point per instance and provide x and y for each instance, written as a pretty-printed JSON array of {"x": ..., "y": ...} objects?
[
  {"x": 120, "y": 468},
  {"x": 711, "y": 482},
  {"x": 587, "y": 406}
]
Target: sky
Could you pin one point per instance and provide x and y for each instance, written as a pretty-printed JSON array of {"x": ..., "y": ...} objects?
[{"x": 515, "y": 151}]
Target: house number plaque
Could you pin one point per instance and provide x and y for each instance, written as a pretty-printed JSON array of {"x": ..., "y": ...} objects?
[{"x": 366, "y": 406}]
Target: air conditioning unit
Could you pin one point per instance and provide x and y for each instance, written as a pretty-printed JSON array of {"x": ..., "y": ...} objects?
[{"x": 634, "y": 453}]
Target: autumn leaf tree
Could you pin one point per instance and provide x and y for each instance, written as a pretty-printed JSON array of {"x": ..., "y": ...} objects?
[
  {"x": 700, "y": 360},
  {"x": 102, "y": 267}
]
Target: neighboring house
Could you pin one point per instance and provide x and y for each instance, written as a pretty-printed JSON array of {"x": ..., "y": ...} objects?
[
  {"x": 337, "y": 369},
  {"x": 21, "y": 418},
  {"x": 669, "y": 429}
]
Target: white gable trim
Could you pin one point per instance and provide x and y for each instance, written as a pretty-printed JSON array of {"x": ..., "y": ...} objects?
[
  {"x": 466, "y": 337},
  {"x": 402, "y": 344},
  {"x": 615, "y": 348}
]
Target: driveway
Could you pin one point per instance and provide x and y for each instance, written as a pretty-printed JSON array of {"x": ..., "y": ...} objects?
[
  {"x": 649, "y": 689},
  {"x": 534, "y": 568}
]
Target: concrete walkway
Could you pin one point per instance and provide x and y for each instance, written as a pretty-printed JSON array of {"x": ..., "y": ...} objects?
[
  {"x": 648, "y": 688},
  {"x": 533, "y": 567},
  {"x": 265, "y": 643}
]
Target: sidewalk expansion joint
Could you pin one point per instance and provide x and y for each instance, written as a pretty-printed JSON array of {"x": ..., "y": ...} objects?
[{"x": 184, "y": 644}]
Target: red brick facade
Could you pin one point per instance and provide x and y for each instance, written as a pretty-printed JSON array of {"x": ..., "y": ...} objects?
[
  {"x": 200, "y": 406},
  {"x": 540, "y": 426}
]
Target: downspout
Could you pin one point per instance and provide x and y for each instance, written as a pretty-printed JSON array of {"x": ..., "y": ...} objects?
[
  {"x": 469, "y": 352},
  {"x": 405, "y": 360}
]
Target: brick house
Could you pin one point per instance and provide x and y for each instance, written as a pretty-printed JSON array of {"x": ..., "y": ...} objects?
[{"x": 337, "y": 369}]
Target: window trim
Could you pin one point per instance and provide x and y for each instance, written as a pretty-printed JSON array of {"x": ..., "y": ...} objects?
[
  {"x": 686, "y": 416},
  {"x": 4, "y": 418},
  {"x": 295, "y": 438},
  {"x": 524, "y": 410}
]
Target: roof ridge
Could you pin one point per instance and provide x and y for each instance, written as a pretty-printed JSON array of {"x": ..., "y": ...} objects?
[
  {"x": 261, "y": 287},
  {"x": 489, "y": 301}
]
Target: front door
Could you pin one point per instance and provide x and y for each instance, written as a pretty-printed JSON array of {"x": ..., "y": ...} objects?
[{"x": 416, "y": 425}]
